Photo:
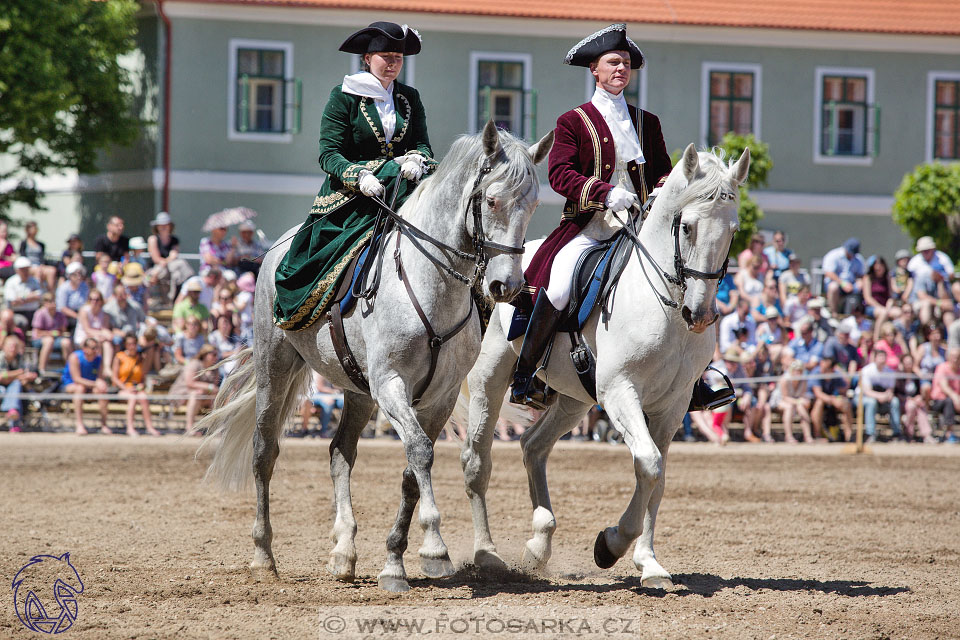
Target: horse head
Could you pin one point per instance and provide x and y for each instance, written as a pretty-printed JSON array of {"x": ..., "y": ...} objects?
[
  {"x": 703, "y": 196},
  {"x": 509, "y": 195}
]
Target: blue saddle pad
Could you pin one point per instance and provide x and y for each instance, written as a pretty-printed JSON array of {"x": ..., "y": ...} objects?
[{"x": 349, "y": 300}]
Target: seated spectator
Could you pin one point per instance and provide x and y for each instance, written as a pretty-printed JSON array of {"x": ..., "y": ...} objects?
[
  {"x": 36, "y": 251},
  {"x": 749, "y": 281},
  {"x": 914, "y": 397},
  {"x": 137, "y": 248},
  {"x": 822, "y": 328},
  {"x": 125, "y": 314},
  {"x": 215, "y": 251},
  {"x": 769, "y": 331},
  {"x": 129, "y": 373},
  {"x": 50, "y": 332},
  {"x": 842, "y": 270},
  {"x": 190, "y": 306},
  {"x": 932, "y": 353},
  {"x": 74, "y": 248},
  {"x": 324, "y": 397},
  {"x": 930, "y": 293},
  {"x": 892, "y": 344},
  {"x": 13, "y": 375},
  {"x": 755, "y": 249},
  {"x": 877, "y": 287},
  {"x": 877, "y": 382},
  {"x": 72, "y": 294},
  {"x": 792, "y": 279},
  {"x": 113, "y": 243},
  {"x": 928, "y": 258},
  {"x": 790, "y": 398},
  {"x": 839, "y": 349},
  {"x": 796, "y": 305},
  {"x": 8, "y": 327},
  {"x": 198, "y": 383},
  {"x": 738, "y": 327},
  {"x": 727, "y": 295},
  {"x": 901, "y": 281},
  {"x": 210, "y": 279},
  {"x": 243, "y": 303},
  {"x": 21, "y": 292},
  {"x": 730, "y": 365},
  {"x": 93, "y": 322},
  {"x": 909, "y": 327},
  {"x": 859, "y": 324},
  {"x": 225, "y": 341},
  {"x": 756, "y": 407},
  {"x": 250, "y": 248},
  {"x": 7, "y": 254},
  {"x": 168, "y": 269},
  {"x": 806, "y": 348},
  {"x": 82, "y": 375},
  {"x": 104, "y": 276},
  {"x": 945, "y": 393},
  {"x": 132, "y": 279},
  {"x": 830, "y": 401},
  {"x": 188, "y": 344},
  {"x": 223, "y": 304},
  {"x": 778, "y": 256},
  {"x": 769, "y": 299}
]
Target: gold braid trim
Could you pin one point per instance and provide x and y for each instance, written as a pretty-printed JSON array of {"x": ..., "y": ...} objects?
[
  {"x": 406, "y": 120},
  {"x": 317, "y": 301},
  {"x": 373, "y": 127},
  {"x": 322, "y": 204},
  {"x": 351, "y": 175}
]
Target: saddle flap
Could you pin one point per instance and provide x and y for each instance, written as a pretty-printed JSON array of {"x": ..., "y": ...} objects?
[{"x": 596, "y": 272}]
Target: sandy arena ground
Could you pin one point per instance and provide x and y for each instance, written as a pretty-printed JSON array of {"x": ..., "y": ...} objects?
[{"x": 764, "y": 541}]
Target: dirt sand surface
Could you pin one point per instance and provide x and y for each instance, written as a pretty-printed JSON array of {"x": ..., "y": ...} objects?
[{"x": 763, "y": 541}]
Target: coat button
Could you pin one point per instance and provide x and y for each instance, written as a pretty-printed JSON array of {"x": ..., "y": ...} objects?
[
  {"x": 606, "y": 166},
  {"x": 633, "y": 168},
  {"x": 606, "y": 140}
]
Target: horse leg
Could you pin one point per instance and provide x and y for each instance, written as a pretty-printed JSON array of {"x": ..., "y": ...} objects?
[
  {"x": 487, "y": 382},
  {"x": 435, "y": 558},
  {"x": 537, "y": 443},
  {"x": 357, "y": 409},
  {"x": 280, "y": 364},
  {"x": 624, "y": 408}
]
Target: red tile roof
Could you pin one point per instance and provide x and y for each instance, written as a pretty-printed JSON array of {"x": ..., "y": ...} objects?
[{"x": 928, "y": 17}]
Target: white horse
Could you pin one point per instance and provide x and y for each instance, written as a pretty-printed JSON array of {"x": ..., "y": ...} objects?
[
  {"x": 489, "y": 175},
  {"x": 649, "y": 353}
]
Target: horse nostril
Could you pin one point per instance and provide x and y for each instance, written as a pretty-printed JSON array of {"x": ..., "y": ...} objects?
[
  {"x": 687, "y": 315},
  {"x": 497, "y": 288}
]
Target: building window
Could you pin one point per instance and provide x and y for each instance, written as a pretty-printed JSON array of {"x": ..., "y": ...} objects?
[
  {"x": 844, "y": 130},
  {"x": 731, "y": 104},
  {"x": 946, "y": 119},
  {"x": 500, "y": 91},
  {"x": 263, "y": 97}
]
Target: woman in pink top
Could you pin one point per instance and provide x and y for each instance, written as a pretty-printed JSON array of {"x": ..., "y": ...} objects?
[{"x": 93, "y": 322}]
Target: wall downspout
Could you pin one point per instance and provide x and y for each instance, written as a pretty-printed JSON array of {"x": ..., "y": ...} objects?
[{"x": 167, "y": 71}]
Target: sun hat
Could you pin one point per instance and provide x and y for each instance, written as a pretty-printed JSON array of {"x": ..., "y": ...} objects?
[
  {"x": 162, "y": 218},
  {"x": 852, "y": 245},
  {"x": 194, "y": 285},
  {"x": 137, "y": 243},
  {"x": 815, "y": 303},
  {"x": 132, "y": 275},
  {"x": 248, "y": 225},
  {"x": 734, "y": 354},
  {"x": 74, "y": 267},
  {"x": 901, "y": 254},
  {"x": 925, "y": 243},
  {"x": 247, "y": 282},
  {"x": 23, "y": 262}
]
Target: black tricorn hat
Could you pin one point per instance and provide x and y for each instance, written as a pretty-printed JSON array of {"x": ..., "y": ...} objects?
[
  {"x": 612, "y": 38},
  {"x": 383, "y": 36}
]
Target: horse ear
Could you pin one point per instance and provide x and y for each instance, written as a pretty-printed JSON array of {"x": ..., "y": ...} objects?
[
  {"x": 740, "y": 170},
  {"x": 690, "y": 162},
  {"x": 491, "y": 140},
  {"x": 540, "y": 150}
]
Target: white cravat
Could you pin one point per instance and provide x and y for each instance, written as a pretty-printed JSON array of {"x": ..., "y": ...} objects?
[
  {"x": 366, "y": 84},
  {"x": 613, "y": 108}
]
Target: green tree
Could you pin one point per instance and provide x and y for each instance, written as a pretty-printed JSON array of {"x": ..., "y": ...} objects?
[
  {"x": 63, "y": 93},
  {"x": 927, "y": 203},
  {"x": 750, "y": 213}
]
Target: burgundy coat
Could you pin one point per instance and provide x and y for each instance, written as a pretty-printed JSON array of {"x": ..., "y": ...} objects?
[{"x": 581, "y": 164}]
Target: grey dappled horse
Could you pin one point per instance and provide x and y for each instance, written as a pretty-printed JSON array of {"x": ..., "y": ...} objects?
[
  {"x": 648, "y": 356},
  {"x": 391, "y": 346}
]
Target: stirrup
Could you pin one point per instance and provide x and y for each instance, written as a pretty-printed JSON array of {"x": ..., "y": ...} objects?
[
  {"x": 707, "y": 399},
  {"x": 533, "y": 392}
]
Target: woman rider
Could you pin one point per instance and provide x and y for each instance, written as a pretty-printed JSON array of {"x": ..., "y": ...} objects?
[
  {"x": 373, "y": 134},
  {"x": 608, "y": 155}
]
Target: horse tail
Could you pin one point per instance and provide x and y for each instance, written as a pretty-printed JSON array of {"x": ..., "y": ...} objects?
[{"x": 233, "y": 421}]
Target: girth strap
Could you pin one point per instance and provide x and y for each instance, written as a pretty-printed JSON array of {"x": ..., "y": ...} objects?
[
  {"x": 436, "y": 341},
  {"x": 339, "y": 337}
]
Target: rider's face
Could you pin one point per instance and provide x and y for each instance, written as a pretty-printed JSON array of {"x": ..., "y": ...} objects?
[
  {"x": 612, "y": 71},
  {"x": 385, "y": 65}
]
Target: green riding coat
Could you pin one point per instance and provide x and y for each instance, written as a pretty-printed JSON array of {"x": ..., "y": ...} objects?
[{"x": 351, "y": 140}]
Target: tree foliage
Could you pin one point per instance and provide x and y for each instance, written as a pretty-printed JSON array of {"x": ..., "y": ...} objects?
[
  {"x": 63, "y": 93},
  {"x": 927, "y": 203},
  {"x": 750, "y": 213}
]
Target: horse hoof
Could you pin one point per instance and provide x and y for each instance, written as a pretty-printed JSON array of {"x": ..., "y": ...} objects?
[
  {"x": 531, "y": 562},
  {"x": 602, "y": 555},
  {"x": 437, "y": 567},
  {"x": 394, "y": 585},
  {"x": 489, "y": 560},
  {"x": 262, "y": 573},
  {"x": 657, "y": 582},
  {"x": 342, "y": 569}
]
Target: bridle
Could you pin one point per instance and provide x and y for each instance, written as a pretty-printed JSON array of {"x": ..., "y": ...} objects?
[{"x": 681, "y": 271}]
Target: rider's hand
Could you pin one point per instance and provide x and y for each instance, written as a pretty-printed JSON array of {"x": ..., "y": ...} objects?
[
  {"x": 369, "y": 185},
  {"x": 411, "y": 170},
  {"x": 619, "y": 199}
]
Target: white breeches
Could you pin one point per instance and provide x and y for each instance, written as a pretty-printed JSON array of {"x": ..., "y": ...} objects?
[{"x": 561, "y": 273}]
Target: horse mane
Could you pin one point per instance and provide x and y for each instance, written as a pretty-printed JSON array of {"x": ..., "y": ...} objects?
[
  {"x": 513, "y": 165},
  {"x": 712, "y": 180}
]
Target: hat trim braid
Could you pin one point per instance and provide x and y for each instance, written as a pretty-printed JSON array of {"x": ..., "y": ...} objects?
[{"x": 620, "y": 26}]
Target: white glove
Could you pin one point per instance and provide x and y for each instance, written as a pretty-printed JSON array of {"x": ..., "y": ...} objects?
[
  {"x": 655, "y": 192},
  {"x": 619, "y": 199},
  {"x": 369, "y": 185},
  {"x": 411, "y": 170}
]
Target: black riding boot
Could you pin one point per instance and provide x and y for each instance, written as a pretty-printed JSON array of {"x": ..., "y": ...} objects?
[
  {"x": 527, "y": 388},
  {"x": 706, "y": 399}
]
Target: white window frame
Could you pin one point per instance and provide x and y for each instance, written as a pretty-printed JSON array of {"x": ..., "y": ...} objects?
[
  {"x": 705, "y": 70},
  {"x": 932, "y": 77},
  {"x": 591, "y": 86},
  {"x": 251, "y": 136},
  {"x": 490, "y": 56},
  {"x": 818, "y": 158},
  {"x": 409, "y": 68}
]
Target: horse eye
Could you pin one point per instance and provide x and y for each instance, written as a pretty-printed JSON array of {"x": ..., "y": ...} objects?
[
  {"x": 686, "y": 229},
  {"x": 491, "y": 202}
]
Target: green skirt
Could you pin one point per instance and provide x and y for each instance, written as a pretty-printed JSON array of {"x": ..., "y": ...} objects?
[{"x": 311, "y": 270}]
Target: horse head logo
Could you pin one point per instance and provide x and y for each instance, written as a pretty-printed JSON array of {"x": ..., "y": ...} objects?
[{"x": 58, "y": 581}]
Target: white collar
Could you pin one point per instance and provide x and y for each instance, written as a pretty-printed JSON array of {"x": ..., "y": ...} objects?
[
  {"x": 367, "y": 85},
  {"x": 602, "y": 95},
  {"x": 613, "y": 108}
]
